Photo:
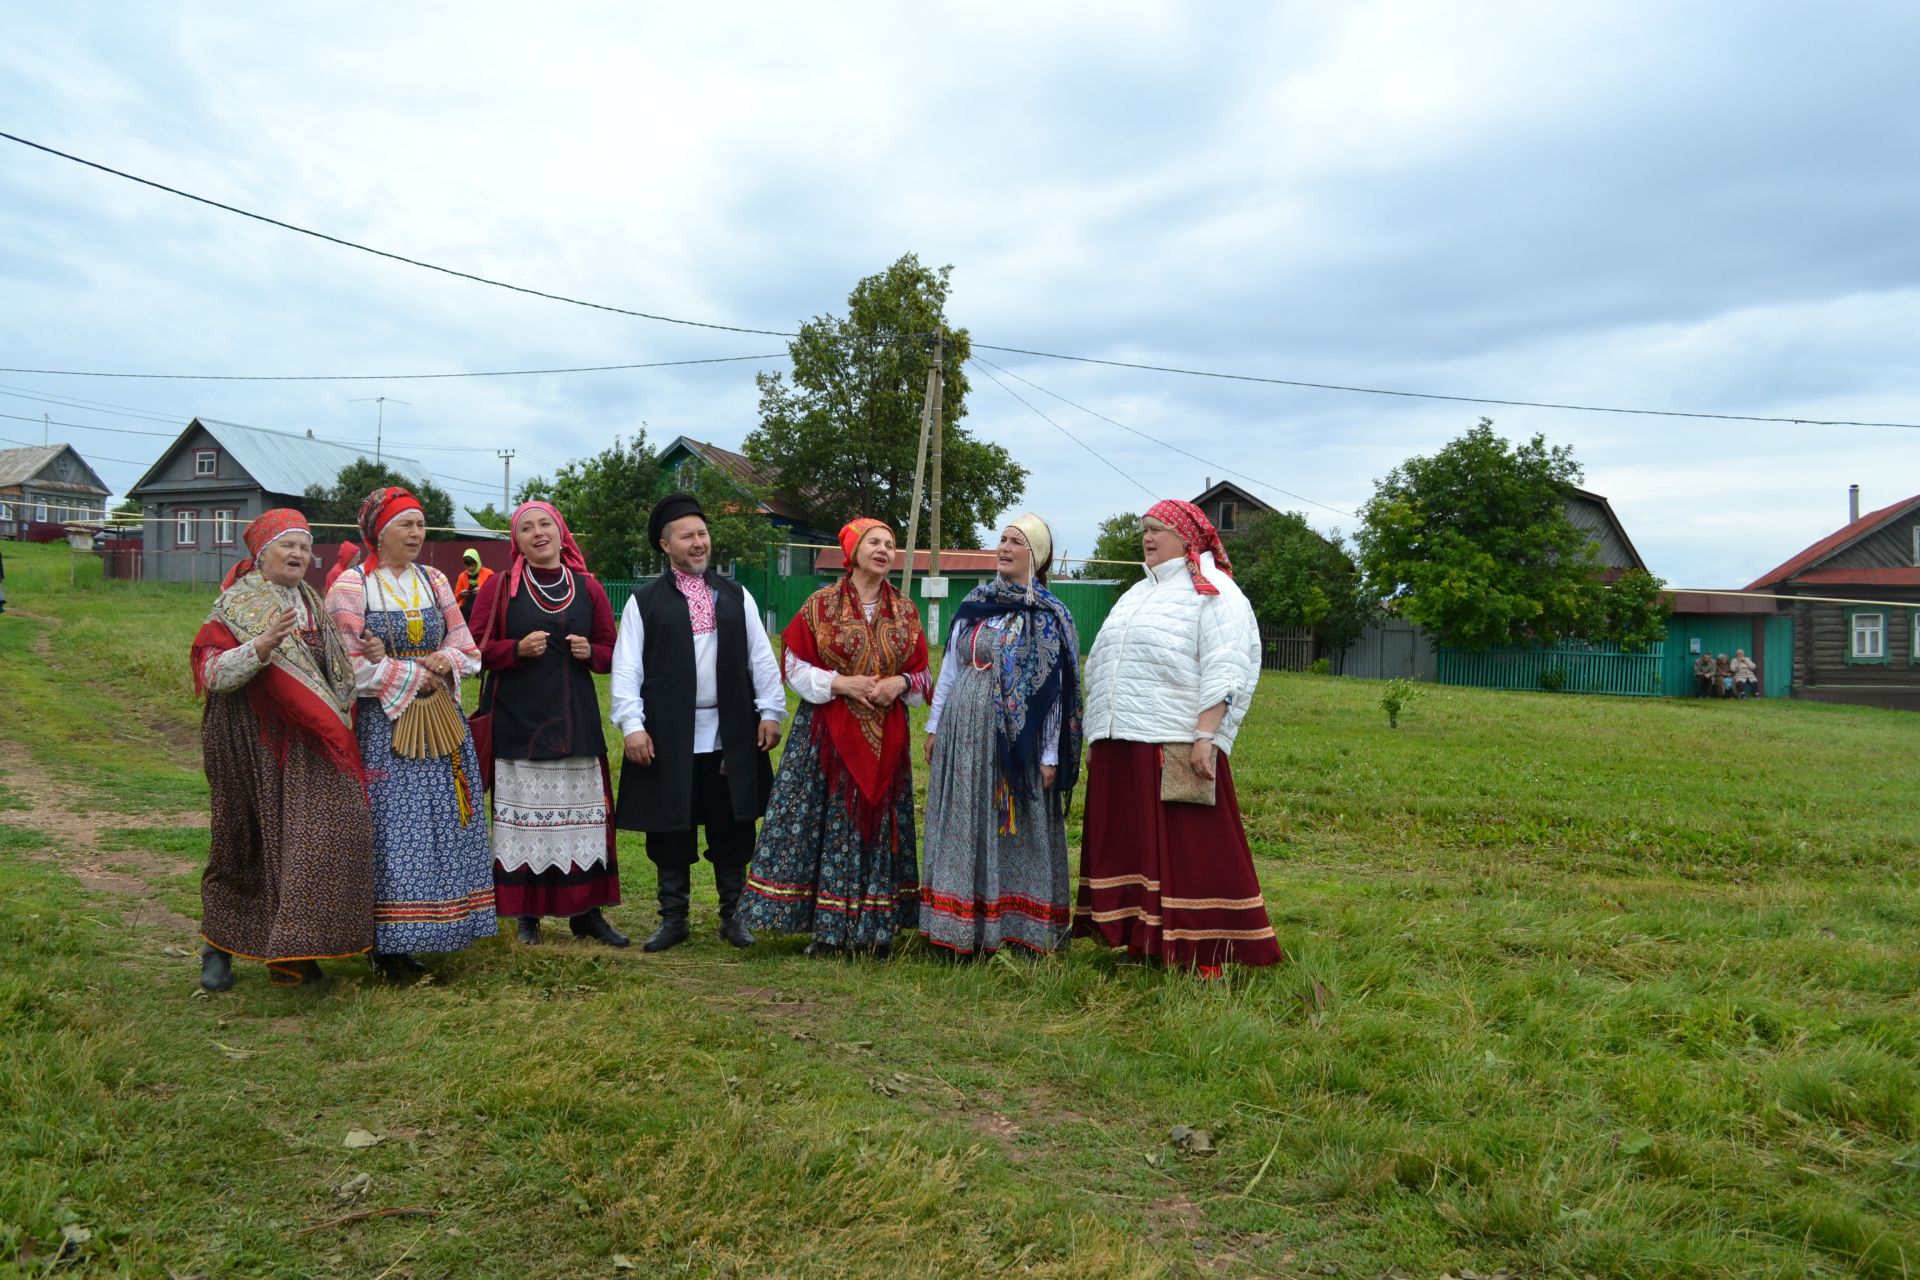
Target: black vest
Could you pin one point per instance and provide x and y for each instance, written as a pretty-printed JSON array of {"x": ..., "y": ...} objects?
[
  {"x": 546, "y": 708},
  {"x": 659, "y": 796}
]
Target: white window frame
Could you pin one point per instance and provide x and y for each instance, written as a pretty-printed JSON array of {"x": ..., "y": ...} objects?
[
  {"x": 186, "y": 528},
  {"x": 40, "y": 513},
  {"x": 223, "y": 526},
  {"x": 6, "y": 511},
  {"x": 211, "y": 457},
  {"x": 1916, "y": 544},
  {"x": 1857, "y": 630}
]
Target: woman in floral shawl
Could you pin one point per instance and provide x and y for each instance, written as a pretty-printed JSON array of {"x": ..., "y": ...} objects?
[
  {"x": 836, "y": 856},
  {"x": 1003, "y": 748},
  {"x": 289, "y": 877}
]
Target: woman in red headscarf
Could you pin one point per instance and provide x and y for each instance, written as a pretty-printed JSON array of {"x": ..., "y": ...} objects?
[
  {"x": 433, "y": 871},
  {"x": 836, "y": 857},
  {"x": 1165, "y": 870},
  {"x": 289, "y": 878},
  {"x": 545, "y": 628}
]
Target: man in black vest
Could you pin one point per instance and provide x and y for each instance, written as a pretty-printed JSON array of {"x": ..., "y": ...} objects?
[{"x": 698, "y": 696}]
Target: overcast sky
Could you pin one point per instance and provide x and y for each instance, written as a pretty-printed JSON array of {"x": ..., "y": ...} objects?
[{"x": 1708, "y": 207}]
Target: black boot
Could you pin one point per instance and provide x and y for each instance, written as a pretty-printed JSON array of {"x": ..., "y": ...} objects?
[
  {"x": 591, "y": 924},
  {"x": 216, "y": 969},
  {"x": 732, "y": 882},
  {"x": 307, "y": 975},
  {"x": 529, "y": 931},
  {"x": 395, "y": 966},
  {"x": 676, "y": 887}
]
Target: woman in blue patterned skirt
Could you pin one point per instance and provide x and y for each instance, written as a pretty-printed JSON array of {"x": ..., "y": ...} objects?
[{"x": 433, "y": 869}]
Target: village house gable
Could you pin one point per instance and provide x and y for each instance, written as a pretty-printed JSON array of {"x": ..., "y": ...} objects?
[{"x": 43, "y": 487}]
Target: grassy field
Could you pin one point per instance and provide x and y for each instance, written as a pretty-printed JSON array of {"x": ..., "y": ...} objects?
[{"x": 1579, "y": 987}]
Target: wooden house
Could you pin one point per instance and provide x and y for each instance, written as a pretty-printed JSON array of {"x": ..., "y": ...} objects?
[
  {"x": 788, "y": 514},
  {"x": 1229, "y": 506},
  {"x": 43, "y": 487},
  {"x": 1854, "y": 597},
  {"x": 1593, "y": 515},
  {"x": 215, "y": 476}
]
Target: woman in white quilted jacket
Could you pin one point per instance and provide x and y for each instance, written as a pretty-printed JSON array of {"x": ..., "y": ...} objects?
[{"x": 1169, "y": 681}]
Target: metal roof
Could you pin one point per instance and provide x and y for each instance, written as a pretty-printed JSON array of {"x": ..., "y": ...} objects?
[
  {"x": 284, "y": 463},
  {"x": 18, "y": 466},
  {"x": 281, "y": 462}
]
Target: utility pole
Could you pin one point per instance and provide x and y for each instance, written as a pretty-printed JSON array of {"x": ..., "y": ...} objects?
[
  {"x": 506, "y": 481},
  {"x": 46, "y": 427},
  {"x": 380, "y": 420},
  {"x": 919, "y": 476},
  {"x": 939, "y": 432}
]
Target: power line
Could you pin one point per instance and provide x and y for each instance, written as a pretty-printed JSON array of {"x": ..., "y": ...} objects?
[
  {"x": 382, "y": 377},
  {"x": 382, "y": 253},
  {"x": 1167, "y": 444},
  {"x": 82, "y": 426},
  {"x": 787, "y": 333},
  {"x": 91, "y": 406},
  {"x": 91, "y": 457},
  {"x": 1433, "y": 395},
  {"x": 1063, "y": 431}
]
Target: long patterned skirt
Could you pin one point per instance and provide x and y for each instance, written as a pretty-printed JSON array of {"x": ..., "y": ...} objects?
[
  {"x": 433, "y": 872},
  {"x": 552, "y": 851},
  {"x": 290, "y": 875},
  {"x": 1172, "y": 881},
  {"x": 986, "y": 887},
  {"x": 813, "y": 873}
]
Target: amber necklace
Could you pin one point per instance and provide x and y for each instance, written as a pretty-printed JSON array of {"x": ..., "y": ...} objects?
[{"x": 416, "y": 621}]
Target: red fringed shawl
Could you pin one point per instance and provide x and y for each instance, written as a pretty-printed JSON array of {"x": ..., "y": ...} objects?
[{"x": 870, "y": 747}]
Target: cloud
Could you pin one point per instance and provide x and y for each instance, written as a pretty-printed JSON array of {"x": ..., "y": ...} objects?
[{"x": 1693, "y": 208}]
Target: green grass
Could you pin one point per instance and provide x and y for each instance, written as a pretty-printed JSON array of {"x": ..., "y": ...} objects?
[{"x": 1579, "y": 987}]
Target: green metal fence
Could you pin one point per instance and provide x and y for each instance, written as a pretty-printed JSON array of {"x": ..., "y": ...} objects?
[
  {"x": 1563, "y": 668},
  {"x": 782, "y": 595}
]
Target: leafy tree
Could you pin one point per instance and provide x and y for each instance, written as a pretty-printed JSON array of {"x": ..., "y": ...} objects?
[
  {"x": 339, "y": 503},
  {"x": 606, "y": 499},
  {"x": 491, "y": 517},
  {"x": 131, "y": 507},
  {"x": 1474, "y": 545},
  {"x": 1632, "y": 613},
  {"x": 1117, "y": 539},
  {"x": 845, "y": 431},
  {"x": 1294, "y": 577}
]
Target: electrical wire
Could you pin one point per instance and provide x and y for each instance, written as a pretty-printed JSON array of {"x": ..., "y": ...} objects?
[
  {"x": 788, "y": 333},
  {"x": 382, "y": 253},
  {"x": 1062, "y": 430},
  {"x": 91, "y": 406},
  {"x": 383, "y": 377},
  {"x": 1167, "y": 444},
  {"x": 1434, "y": 395}
]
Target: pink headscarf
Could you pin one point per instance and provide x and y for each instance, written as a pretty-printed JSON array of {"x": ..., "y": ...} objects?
[
  {"x": 1191, "y": 523},
  {"x": 570, "y": 555}
]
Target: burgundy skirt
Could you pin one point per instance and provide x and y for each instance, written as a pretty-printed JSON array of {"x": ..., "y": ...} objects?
[{"x": 1172, "y": 881}]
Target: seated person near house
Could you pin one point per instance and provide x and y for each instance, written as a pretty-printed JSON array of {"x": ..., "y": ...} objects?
[
  {"x": 1703, "y": 675},
  {"x": 1746, "y": 675},
  {"x": 1722, "y": 676}
]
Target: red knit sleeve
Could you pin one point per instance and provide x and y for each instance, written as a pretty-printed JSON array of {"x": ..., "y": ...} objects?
[
  {"x": 497, "y": 652},
  {"x": 604, "y": 631}
]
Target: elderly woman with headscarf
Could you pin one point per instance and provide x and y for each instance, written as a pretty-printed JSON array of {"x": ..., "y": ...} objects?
[
  {"x": 545, "y": 628},
  {"x": 289, "y": 878},
  {"x": 836, "y": 857},
  {"x": 433, "y": 871},
  {"x": 1003, "y": 750},
  {"x": 1165, "y": 870}
]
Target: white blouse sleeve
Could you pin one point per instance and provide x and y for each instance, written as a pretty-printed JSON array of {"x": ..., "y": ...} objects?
[
  {"x": 949, "y": 672},
  {"x": 814, "y": 684},
  {"x": 225, "y": 672}
]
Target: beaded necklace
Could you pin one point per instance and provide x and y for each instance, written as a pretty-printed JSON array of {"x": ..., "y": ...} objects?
[
  {"x": 416, "y": 621},
  {"x": 555, "y": 600}
]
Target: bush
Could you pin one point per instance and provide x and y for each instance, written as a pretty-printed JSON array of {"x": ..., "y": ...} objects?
[
  {"x": 1554, "y": 679},
  {"x": 1400, "y": 695},
  {"x": 1321, "y": 667}
]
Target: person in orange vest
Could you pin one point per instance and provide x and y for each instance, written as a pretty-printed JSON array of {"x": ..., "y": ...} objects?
[{"x": 471, "y": 579}]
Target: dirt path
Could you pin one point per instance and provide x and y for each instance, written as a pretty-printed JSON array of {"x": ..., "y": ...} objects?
[{"x": 131, "y": 875}]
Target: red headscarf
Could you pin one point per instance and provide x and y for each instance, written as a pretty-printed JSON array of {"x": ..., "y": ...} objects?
[
  {"x": 378, "y": 511},
  {"x": 854, "y": 531},
  {"x": 569, "y": 549},
  {"x": 342, "y": 562},
  {"x": 266, "y": 528},
  {"x": 1191, "y": 523}
]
